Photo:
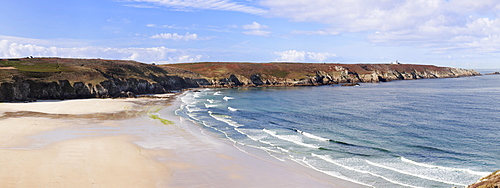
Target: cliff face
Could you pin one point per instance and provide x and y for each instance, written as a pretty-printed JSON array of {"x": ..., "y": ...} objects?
[
  {"x": 490, "y": 181},
  {"x": 281, "y": 74},
  {"x": 57, "y": 78},
  {"x": 27, "y": 90}
]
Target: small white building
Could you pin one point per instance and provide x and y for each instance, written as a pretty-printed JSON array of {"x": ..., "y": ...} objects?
[{"x": 396, "y": 62}]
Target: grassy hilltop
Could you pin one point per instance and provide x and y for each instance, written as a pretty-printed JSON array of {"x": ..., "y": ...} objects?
[
  {"x": 77, "y": 70},
  {"x": 28, "y": 79},
  {"x": 296, "y": 71},
  {"x": 96, "y": 71}
]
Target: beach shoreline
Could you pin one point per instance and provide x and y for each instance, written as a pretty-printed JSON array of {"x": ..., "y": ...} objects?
[{"x": 130, "y": 143}]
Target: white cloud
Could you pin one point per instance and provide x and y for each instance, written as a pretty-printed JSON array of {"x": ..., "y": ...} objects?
[
  {"x": 10, "y": 49},
  {"x": 356, "y": 15},
  {"x": 291, "y": 56},
  {"x": 140, "y": 6},
  {"x": 176, "y": 37},
  {"x": 319, "y": 32},
  {"x": 444, "y": 24},
  {"x": 255, "y": 29},
  {"x": 173, "y": 26},
  {"x": 257, "y": 32},
  {"x": 153, "y": 25},
  {"x": 186, "y": 5},
  {"x": 254, "y": 26},
  {"x": 302, "y": 56},
  {"x": 320, "y": 57}
]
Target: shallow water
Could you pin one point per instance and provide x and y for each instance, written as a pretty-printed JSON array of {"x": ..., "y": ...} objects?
[{"x": 415, "y": 133}]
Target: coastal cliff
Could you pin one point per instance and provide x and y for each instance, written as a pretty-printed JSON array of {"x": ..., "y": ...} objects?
[
  {"x": 56, "y": 78},
  {"x": 490, "y": 181},
  {"x": 306, "y": 74},
  {"x": 28, "y": 79}
]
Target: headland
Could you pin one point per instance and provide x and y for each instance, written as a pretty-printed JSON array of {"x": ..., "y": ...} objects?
[{"x": 28, "y": 79}]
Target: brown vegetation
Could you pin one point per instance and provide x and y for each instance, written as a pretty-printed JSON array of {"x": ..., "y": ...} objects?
[
  {"x": 490, "y": 181},
  {"x": 297, "y": 71}
]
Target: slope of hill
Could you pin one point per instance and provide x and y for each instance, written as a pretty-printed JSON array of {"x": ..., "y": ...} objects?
[
  {"x": 57, "y": 78},
  {"x": 291, "y": 74},
  {"x": 28, "y": 79}
]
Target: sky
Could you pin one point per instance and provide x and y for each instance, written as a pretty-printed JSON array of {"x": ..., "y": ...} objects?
[{"x": 453, "y": 33}]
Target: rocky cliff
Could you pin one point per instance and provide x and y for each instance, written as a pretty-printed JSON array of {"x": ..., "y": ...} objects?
[
  {"x": 490, "y": 181},
  {"x": 27, "y": 90},
  {"x": 304, "y": 74},
  {"x": 29, "y": 79},
  {"x": 55, "y": 78}
]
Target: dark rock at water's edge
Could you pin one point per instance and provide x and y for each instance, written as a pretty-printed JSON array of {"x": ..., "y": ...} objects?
[
  {"x": 29, "y": 79},
  {"x": 28, "y": 90},
  {"x": 490, "y": 181},
  {"x": 350, "y": 84},
  {"x": 312, "y": 74},
  {"x": 493, "y": 73}
]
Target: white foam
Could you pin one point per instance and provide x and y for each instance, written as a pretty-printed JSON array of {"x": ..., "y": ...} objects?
[
  {"x": 231, "y": 139},
  {"x": 257, "y": 138},
  {"x": 312, "y": 136},
  {"x": 271, "y": 154},
  {"x": 210, "y": 100},
  {"x": 328, "y": 159},
  {"x": 226, "y": 98},
  {"x": 333, "y": 174},
  {"x": 446, "y": 168},
  {"x": 415, "y": 175},
  {"x": 218, "y": 93},
  {"x": 224, "y": 119},
  {"x": 232, "y": 109},
  {"x": 290, "y": 138},
  {"x": 210, "y": 105},
  {"x": 192, "y": 108},
  {"x": 283, "y": 149}
]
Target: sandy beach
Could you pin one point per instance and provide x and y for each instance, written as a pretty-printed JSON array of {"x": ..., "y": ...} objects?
[{"x": 130, "y": 143}]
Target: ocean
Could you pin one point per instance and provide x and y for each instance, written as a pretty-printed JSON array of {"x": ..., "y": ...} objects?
[{"x": 410, "y": 133}]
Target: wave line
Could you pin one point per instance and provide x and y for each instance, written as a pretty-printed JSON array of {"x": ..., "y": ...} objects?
[
  {"x": 415, "y": 175},
  {"x": 290, "y": 140},
  {"x": 311, "y": 135},
  {"x": 482, "y": 174},
  {"x": 362, "y": 171}
]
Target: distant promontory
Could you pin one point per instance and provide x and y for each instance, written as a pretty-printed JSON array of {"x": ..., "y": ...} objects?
[{"x": 27, "y": 79}]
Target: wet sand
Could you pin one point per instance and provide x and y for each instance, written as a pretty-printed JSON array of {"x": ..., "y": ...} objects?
[{"x": 125, "y": 143}]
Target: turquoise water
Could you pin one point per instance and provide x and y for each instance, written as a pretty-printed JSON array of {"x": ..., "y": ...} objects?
[{"x": 415, "y": 133}]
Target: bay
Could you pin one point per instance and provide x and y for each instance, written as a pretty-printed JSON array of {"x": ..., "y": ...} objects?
[{"x": 411, "y": 133}]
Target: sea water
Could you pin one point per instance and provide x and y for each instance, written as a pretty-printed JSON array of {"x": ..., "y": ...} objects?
[{"x": 412, "y": 133}]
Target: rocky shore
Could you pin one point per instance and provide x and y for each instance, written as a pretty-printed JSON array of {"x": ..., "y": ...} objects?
[
  {"x": 27, "y": 90},
  {"x": 490, "y": 181},
  {"x": 340, "y": 77},
  {"x": 31, "y": 79}
]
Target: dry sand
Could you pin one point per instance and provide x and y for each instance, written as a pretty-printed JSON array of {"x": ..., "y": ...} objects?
[
  {"x": 80, "y": 106},
  {"x": 65, "y": 144}
]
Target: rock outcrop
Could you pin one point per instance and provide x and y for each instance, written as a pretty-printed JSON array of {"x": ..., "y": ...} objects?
[
  {"x": 30, "y": 79},
  {"x": 58, "y": 78},
  {"x": 28, "y": 90},
  {"x": 493, "y": 73},
  {"x": 341, "y": 75},
  {"x": 490, "y": 181}
]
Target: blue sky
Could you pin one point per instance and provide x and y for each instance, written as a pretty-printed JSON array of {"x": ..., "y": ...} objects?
[{"x": 456, "y": 33}]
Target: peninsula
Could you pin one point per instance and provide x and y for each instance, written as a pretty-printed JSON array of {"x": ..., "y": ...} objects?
[{"x": 27, "y": 79}]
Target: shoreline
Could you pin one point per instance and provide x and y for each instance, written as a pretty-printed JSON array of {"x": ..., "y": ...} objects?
[
  {"x": 116, "y": 142},
  {"x": 250, "y": 167}
]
